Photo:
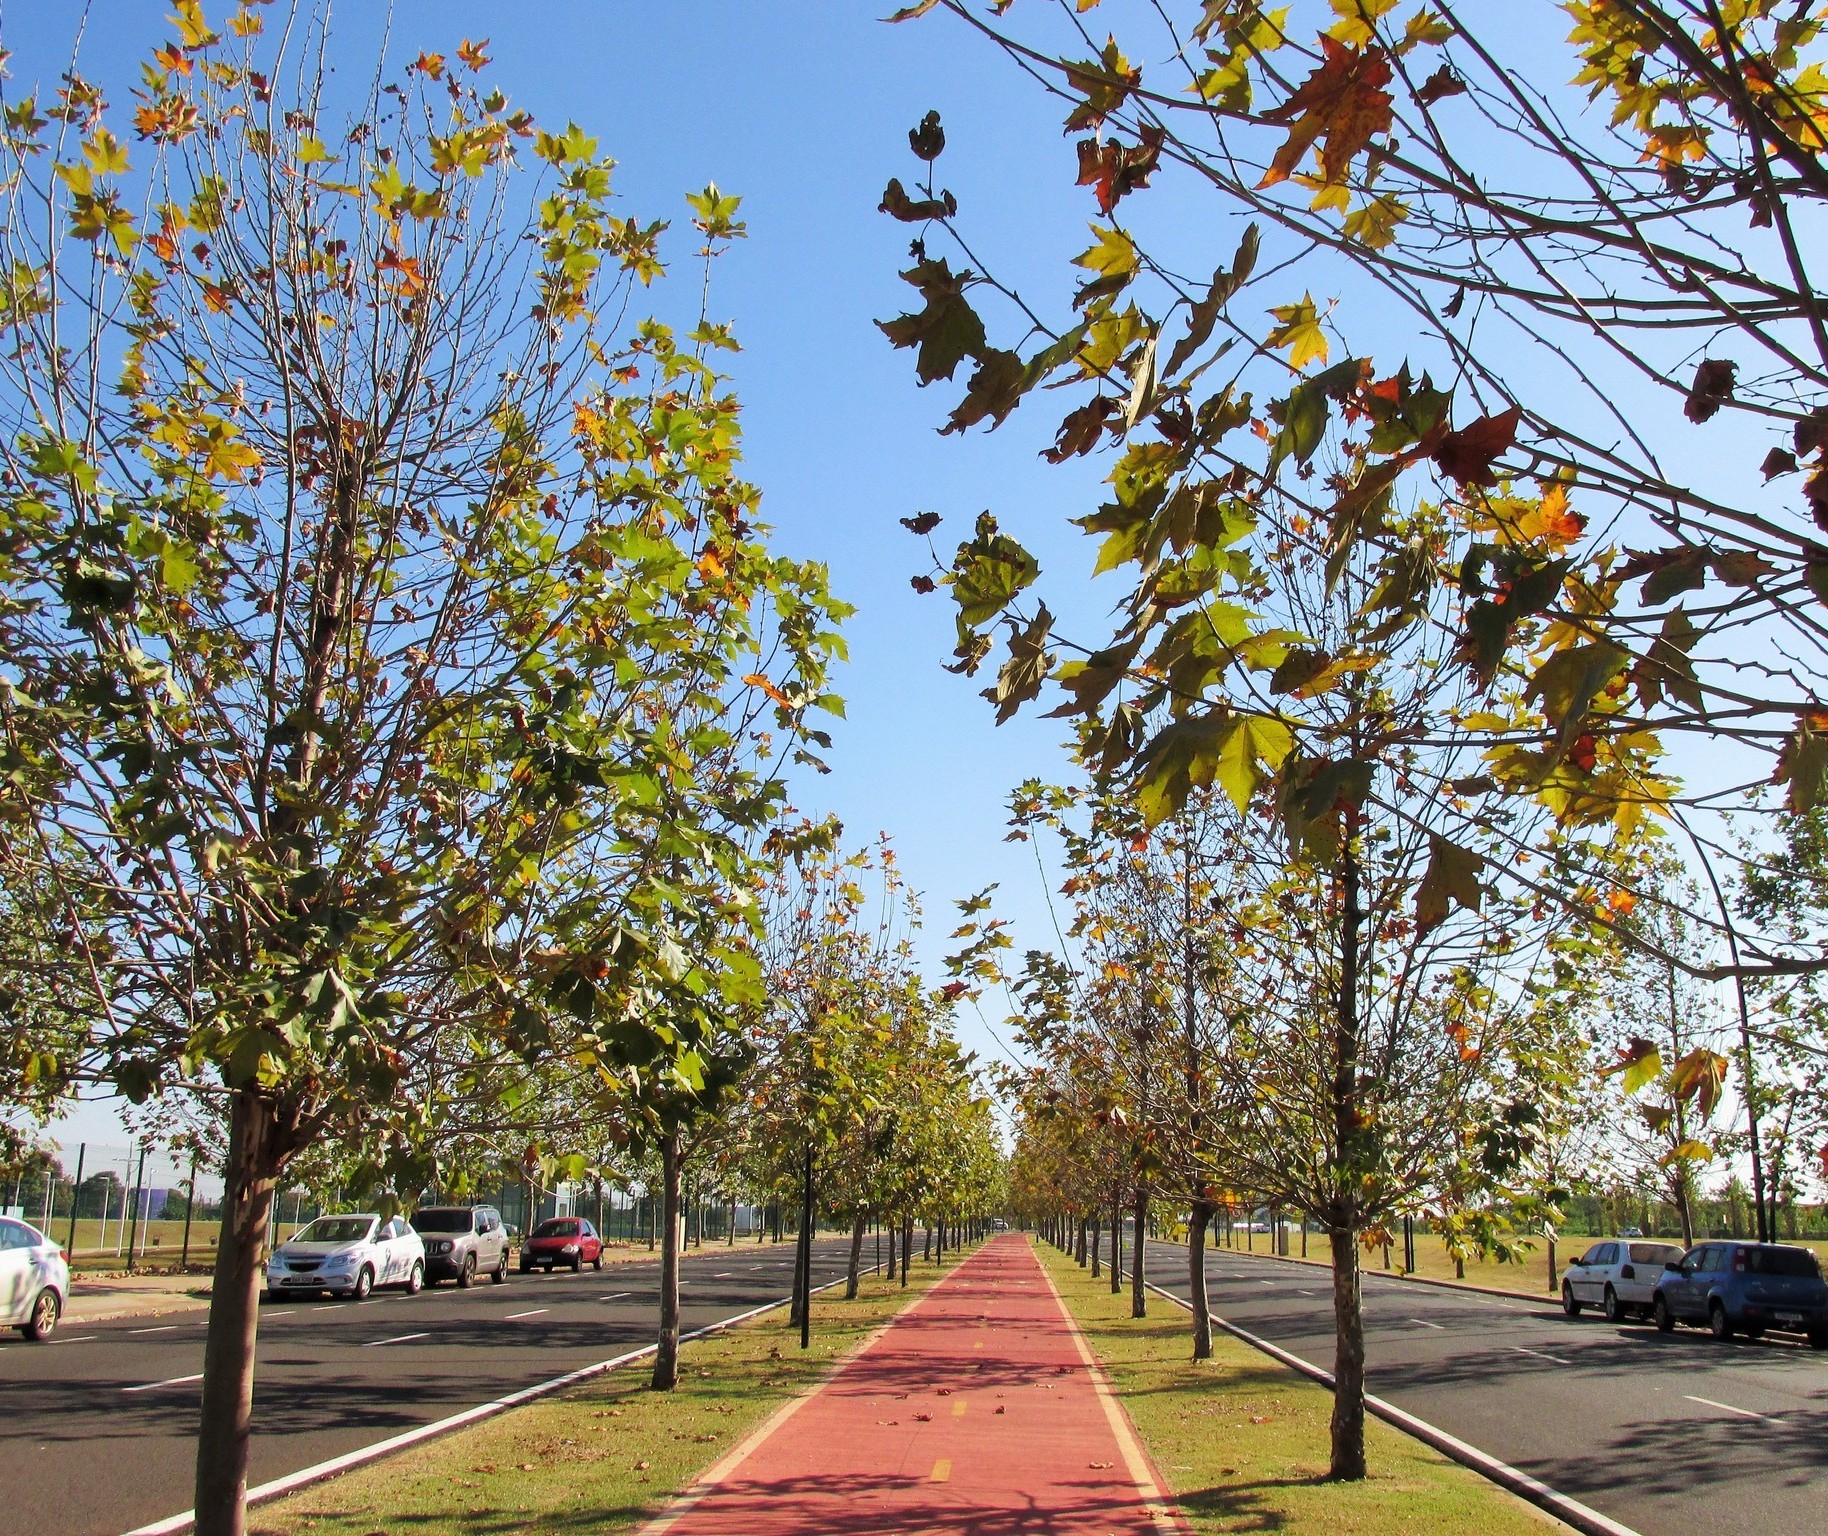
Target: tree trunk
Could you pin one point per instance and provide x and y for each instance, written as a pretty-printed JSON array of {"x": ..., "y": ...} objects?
[
  {"x": 1094, "y": 1249},
  {"x": 248, "y": 1182},
  {"x": 907, "y": 1249},
  {"x": 858, "y": 1227},
  {"x": 1348, "y": 1430},
  {"x": 891, "y": 1228},
  {"x": 666, "y": 1357},
  {"x": 1196, "y": 1280},
  {"x": 1116, "y": 1244},
  {"x": 803, "y": 1254},
  {"x": 1079, "y": 1242},
  {"x": 730, "y": 1236},
  {"x": 1139, "y": 1298}
]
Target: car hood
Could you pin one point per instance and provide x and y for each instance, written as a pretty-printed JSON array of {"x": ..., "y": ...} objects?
[{"x": 314, "y": 1250}]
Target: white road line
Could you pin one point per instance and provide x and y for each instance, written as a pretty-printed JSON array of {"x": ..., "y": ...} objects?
[
  {"x": 398, "y": 1339},
  {"x": 723, "y": 1274},
  {"x": 617, "y": 1297},
  {"x": 175, "y": 1381},
  {"x": 80, "y": 1338},
  {"x": 1422, "y": 1322},
  {"x": 1518, "y": 1349},
  {"x": 1266, "y": 1282},
  {"x": 1744, "y": 1413},
  {"x": 165, "y": 1328},
  {"x": 516, "y": 1316}
]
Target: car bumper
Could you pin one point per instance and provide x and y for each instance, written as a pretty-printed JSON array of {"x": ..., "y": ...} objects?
[
  {"x": 292, "y": 1282},
  {"x": 1759, "y": 1314},
  {"x": 444, "y": 1266}
]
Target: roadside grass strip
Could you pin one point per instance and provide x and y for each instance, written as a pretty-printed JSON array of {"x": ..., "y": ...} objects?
[
  {"x": 1241, "y": 1442},
  {"x": 607, "y": 1455}
]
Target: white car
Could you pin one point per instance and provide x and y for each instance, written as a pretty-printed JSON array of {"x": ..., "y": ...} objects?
[
  {"x": 1618, "y": 1275},
  {"x": 34, "y": 1280},
  {"x": 348, "y": 1256}
]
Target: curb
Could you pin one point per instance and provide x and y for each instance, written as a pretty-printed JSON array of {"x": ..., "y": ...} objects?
[
  {"x": 1547, "y": 1298},
  {"x": 1582, "y": 1517},
  {"x": 323, "y": 1470}
]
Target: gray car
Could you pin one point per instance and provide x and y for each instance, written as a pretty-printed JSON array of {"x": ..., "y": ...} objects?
[{"x": 462, "y": 1242}]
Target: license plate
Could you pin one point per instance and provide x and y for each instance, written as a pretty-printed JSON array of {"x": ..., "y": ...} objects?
[
  {"x": 1789, "y": 1319},
  {"x": 300, "y": 1280}
]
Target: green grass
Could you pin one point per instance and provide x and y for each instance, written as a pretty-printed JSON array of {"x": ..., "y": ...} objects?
[
  {"x": 1242, "y": 1442},
  {"x": 605, "y": 1456}
]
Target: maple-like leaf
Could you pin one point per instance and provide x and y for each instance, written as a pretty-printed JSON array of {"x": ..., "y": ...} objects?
[
  {"x": 1300, "y": 332},
  {"x": 1712, "y": 388},
  {"x": 1467, "y": 454},
  {"x": 1342, "y": 102},
  {"x": 1114, "y": 169}
]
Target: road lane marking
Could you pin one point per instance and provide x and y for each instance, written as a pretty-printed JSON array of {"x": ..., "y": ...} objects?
[
  {"x": 725, "y": 1275},
  {"x": 81, "y": 1338},
  {"x": 1422, "y": 1322},
  {"x": 942, "y": 1471},
  {"x": 270, "y": 1317},
  {"x": 1518, "y": 1349},
  {"x": 398, "y": 1339},
  {"x": 164, "y": 1328},
  {"x": 175, "y": 1381},
  {"x": 516, "y": 1316},
  {"x": 1744, "y": 1413},
  {"x": 617, "y": 1297}
]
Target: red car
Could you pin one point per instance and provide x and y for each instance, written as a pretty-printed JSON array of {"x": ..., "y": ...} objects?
[{"x": 562, "y": 1240}]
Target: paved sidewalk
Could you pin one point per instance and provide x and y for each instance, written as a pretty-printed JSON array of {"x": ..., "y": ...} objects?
[{"x": 977, "y": 1412}]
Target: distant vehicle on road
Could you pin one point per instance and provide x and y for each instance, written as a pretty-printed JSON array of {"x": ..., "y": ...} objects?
[
  {"x": 1745, "y": 1288},
  {"x": 462, "y": 1242},
  {"x": 1617, "y": 1275},
  {"x": 34, "y": 1280},
  {"x": 1631, "y": 1231},
  {"x": 348, "y": 1256},
  {"x": 562, "y": 1240}
]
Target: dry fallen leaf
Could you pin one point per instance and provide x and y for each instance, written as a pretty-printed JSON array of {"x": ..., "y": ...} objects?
[
  {"x": 1099, "y": 1463},
  {"x": 1002, "y": 1410}
]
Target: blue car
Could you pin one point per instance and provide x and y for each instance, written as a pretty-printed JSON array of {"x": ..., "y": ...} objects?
[{"x": 1746, "y": 1288}]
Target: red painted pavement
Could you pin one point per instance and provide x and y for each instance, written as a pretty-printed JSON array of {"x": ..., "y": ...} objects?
[{"x": 974, "y": 1412}]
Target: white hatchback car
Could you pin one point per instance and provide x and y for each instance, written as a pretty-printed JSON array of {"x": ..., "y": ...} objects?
[
  {"x": 1619, "y": 1275},
  {"x": 34, "y": 1280},
  {"x": 347, "y": 1256}
]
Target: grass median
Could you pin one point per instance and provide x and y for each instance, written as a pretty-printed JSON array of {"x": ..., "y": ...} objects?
[
  {"x": 1242, "y": 1441},
  {"x": 604, "y": 1456}
]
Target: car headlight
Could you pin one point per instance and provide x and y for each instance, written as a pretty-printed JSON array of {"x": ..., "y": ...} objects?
[
  {"x": 339, "y": 1261},
  {"x": 569, "y": 1248},
  {"x": 441, "y": 1246}
]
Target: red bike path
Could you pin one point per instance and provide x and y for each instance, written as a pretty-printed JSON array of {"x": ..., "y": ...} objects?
[{"x": 978, "y": 1411}]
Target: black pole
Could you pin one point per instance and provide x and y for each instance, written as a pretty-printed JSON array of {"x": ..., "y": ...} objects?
[
  {"x": 133, "y": 1228},
  {"x": 76, "y": 1189}
]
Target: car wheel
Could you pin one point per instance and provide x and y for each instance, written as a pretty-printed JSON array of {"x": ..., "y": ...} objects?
[
  {"x": 415, "y": 1282},
  {"x": 1717, "y": 1323},
  {"x": 577, "y": 1265},
  {"x": 1616, "y": 1311},
  {"x": 364, "y": 1283},
  {"x": 1568, "y": 1304},
  {"x": 1664, "y": 1318},
  {"x": 597, "y": 1262},
  {"x": 466, "y": 1277},
  {"x": 500, "y": 1277},
  {"x": 44, "y": 1315}
]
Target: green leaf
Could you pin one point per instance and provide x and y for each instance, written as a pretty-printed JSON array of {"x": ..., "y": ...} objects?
[
  {"x": 1300, "y": 332},
  {"x": 1452, "y": 879},
  {"x": 1569, "y": 681},
  {"x": 947, "y": 330}
]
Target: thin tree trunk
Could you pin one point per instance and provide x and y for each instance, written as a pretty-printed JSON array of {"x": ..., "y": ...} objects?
[
  {"x": 666, "y": 1357},
  {"x": 730, "y": 1236},
  {"x": 1196, "y": 1279},
  {"x": 1079, "y": 1243},
  {"x": 803, "y": 1256},
  {"x": 1117, "y": 1244},
  {"x": 248, "y": 1182},
  {"x": 907, "y": 1249},
  {"x": 858, "y": 1227},
  {"x": 1349, "y": 1140},
  {"x": 1094, "y": 1249},
  {"x": 1139, "y": 1298},
  {"x": 1348, "y": 1429},
  {"x": 891, "y": 1228}
]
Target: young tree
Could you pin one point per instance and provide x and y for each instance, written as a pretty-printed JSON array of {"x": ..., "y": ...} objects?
[{"x": 364, "y": 582}]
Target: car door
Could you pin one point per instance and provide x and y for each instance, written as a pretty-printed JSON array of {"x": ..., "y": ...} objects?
[
  {"x": 399, "y": 1249},
  {"x": 15, "y": 1271},
  {"x": 1688, "y": 1294},
  {"x": 491, "y": 1239},
  {"x": 1601, "y": 1265},
  {"x": 1580, "y": 1274}
]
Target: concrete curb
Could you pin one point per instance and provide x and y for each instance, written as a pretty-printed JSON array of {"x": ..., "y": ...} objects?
[
  {"x": 1547, "y": 1298},
  {"x": 1582, "y": 1517},
  {"x": 323, "y": 1470}
]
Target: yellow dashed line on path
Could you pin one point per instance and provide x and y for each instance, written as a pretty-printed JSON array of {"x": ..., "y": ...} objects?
[{"x": 942, "y": 1472}]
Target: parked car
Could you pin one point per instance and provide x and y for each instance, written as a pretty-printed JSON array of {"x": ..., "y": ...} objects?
[
  {"x": 462, "y": 1242},
  {"x": 1745, "y": 1288},
  {"x": 1618, "y": 1275},
  {"x": 562, "y": 1240},
  {"x": 34, "y": 1280},
  {"x": 348, "y": 1256}
]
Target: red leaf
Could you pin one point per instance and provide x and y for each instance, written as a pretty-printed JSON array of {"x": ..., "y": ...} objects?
[
  {"x": 1467, "y": 454},
  {"x": 1712, "y": 388},
  {"x": 1113, "y": 169}
]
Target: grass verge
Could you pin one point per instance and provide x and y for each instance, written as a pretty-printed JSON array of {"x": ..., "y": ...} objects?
[
  {"x": 605, "y": 1456},
  {"x": 1242, "y": 1441}
]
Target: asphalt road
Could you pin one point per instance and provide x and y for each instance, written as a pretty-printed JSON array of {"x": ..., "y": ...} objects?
[
  {"x": 1667, "y": 1433},
  {"x": 99, "y": 1426}
]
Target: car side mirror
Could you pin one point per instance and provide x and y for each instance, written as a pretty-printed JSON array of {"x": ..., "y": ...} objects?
[{"x": 1673, "y": 1269}]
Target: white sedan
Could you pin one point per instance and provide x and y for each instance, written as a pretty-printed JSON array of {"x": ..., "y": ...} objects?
[
  {"x": 34, "y": 1280},
  {"x": 1619, "y": 1275},
  {"x": 348, "y": 1256}
]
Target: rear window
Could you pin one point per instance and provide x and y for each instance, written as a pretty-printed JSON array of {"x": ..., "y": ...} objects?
[
  {"x": 1655, "y": 1253},
  {"x": 1795, "y": 1263},
  {"x": 556, "y": 1229},
  {"x": 442, "y": 1221}
]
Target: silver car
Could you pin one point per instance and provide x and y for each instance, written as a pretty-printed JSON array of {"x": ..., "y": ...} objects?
[
  {"x": 1619, "y": 1275},
  {"x": 347, "y": 1256},
  {"x": 34, "y": 1280}
]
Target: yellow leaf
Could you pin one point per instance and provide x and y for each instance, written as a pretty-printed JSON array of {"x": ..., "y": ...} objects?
[{"x": 1300, "y": 332}]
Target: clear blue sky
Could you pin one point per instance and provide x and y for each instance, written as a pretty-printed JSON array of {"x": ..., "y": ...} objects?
[{"x": 803, "y": 109}]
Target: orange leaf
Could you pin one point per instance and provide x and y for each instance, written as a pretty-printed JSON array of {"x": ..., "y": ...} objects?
[{"x": 1342, "y": 101}]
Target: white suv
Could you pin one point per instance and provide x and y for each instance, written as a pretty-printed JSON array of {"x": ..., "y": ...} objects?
[
  {"x": 1618, "y": 1275},
  {"x": 34, "y": 1280}
]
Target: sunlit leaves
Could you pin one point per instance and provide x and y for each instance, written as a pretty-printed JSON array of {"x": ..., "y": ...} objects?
[
  {"x": 1451, "y": 880},
  {"x": 1342, "y": 105},
  {"x": 1299, "y": 330}
]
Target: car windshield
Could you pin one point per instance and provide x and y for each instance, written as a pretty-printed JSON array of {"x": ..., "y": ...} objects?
[
  {"x": 1797, "y": 1263},
  {"x": 1655, "y": 1253},
  {"x": 335, "y": 1229},
  {"x": 556, "y": 1229},
  {"x": 442, "y": 1221}
]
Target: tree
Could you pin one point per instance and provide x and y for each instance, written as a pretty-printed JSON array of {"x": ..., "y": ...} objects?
[{"x": 364, "y": 584}]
